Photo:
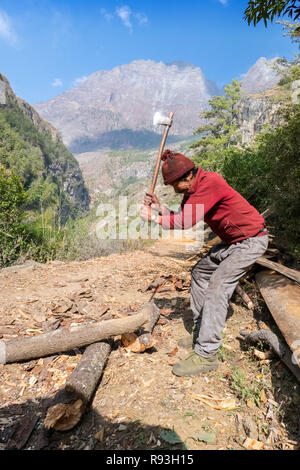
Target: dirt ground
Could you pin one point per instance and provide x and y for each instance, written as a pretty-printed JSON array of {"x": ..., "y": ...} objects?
[{"x": 139, "y": 403}]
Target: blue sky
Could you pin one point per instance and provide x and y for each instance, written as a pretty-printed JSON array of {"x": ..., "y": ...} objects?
[{"x": 48, "y": 46}]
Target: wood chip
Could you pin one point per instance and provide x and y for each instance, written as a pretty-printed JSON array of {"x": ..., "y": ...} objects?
[
  {"x": 263, "y": 355},
  {"x": 252, "y": 444},
  {"x": 132, "y": 343},
  {"x": 173, "y": 352},
  {"x": 99, "y": 435},
  {"x": 263, "y": 396}
]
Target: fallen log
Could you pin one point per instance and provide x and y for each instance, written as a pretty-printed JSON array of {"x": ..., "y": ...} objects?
[
  {"x": 70, "y": 402},
  {"x": 268, "y": 337},
  {"x": 245, "y": 297},
  {"x": 287, "y": 272},
  {"x": 65, "y": 339}
]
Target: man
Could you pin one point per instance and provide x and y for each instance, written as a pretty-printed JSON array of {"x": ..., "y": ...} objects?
[{"x": 215, "y": 277}]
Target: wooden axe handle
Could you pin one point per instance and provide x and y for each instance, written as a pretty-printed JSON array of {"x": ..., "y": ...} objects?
[{"x": 160, "y": 152}]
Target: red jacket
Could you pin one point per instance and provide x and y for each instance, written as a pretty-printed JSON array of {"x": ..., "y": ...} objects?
[{"x": 228, "y": 214}]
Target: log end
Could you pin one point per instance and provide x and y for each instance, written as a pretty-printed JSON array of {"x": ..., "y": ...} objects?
[
  {"x": 2, "y": 352},
  {"x": 135, "y": 343},
  {"x": 64, "y": 416}
]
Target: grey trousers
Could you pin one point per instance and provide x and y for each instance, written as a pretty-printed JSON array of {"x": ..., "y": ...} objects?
[{"x": 213, "y": 281}]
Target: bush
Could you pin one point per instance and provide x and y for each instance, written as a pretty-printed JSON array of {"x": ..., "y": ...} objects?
[
  {"x": 12, "y": 230},
  {"x": 268, "y": 174}
]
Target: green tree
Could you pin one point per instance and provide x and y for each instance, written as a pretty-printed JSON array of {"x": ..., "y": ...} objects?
[
  {"x": 268, "y": 174},
  {"x": 218, "y": 133},
  {"x": 12, "y": 232},
  {"x": 267, "y": 10},
  {"x": 289, "y": 70}
]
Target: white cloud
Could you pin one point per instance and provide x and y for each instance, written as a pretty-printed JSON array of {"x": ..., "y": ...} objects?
[
  {"x": 141, "y": 17},
  {"x": 124, "y": 13},
  {"x": 79, "y": 80},
  {"x": 224, "y": 2},
  {"x": 6, "y": 30},
  {"x": 108, "y": 16},
  {"x": 57, "y": 82}
]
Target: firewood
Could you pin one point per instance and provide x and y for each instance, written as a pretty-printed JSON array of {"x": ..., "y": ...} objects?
[
  {"x": 280, "y": 348},
  {"x": 67, "y": 338},
  {"x": 245, "y": 298},
  {"x": 70, "y": 402}
]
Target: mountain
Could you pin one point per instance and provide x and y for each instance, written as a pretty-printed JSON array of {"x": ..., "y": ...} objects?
[
  {"x": 115, "y": 108},
  {"x": 261, "y": 76},
  {"x": 34, "y": 149}
]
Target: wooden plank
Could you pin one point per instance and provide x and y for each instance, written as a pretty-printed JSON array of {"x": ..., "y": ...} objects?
[
  {"x": 288, "y": 272},
  {"x": 282, "y": 297}
]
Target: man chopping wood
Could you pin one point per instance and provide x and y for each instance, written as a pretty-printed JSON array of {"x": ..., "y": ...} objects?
[{"x": 215, "y": 277}]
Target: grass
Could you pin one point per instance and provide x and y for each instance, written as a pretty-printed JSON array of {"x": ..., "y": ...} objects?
[{"x": 245, "y": 389}]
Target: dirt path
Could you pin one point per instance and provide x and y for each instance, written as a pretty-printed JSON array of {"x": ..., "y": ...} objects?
[{"x": 139, "y": 403}]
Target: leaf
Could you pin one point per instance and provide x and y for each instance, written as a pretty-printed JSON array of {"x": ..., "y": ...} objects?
[
  {"x": 173, "y": 352},
  {"x": 171, "y": 437},
  {"x": 205, "y": 437}
]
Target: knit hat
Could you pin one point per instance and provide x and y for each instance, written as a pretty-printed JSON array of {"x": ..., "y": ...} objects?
[{"x": 175, "y": 165}]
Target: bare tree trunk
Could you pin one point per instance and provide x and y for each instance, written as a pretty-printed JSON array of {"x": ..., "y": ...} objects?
[
  {"x": 65, "y": 339},
  {"x": 70, "y": 402}
]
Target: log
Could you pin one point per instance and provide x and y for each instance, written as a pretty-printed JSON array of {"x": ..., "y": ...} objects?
[
  {"x": 70, "y": 402},
  {"x": 287, "y": 272},
  {"x": 272, "y": 340},
  {"x": 65, "y": 339},
  {"x": 245, "y": 297}
]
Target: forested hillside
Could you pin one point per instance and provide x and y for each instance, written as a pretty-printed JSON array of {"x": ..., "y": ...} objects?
[{"x": 40, "y": 181}]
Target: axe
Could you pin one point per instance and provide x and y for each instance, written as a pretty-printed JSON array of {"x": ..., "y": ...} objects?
[{"x": 160, "y": 119}]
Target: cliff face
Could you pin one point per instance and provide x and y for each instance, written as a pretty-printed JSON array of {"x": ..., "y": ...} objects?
[
  {"x": 41, "y": 150},
  {"x": 117, "y": 106},
  {"x": 255, "y": 112}
]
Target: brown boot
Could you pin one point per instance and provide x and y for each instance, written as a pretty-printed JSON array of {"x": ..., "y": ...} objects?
[{"x": 194, "y": 364}]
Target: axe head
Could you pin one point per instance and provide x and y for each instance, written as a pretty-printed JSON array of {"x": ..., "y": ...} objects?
[{"x": 160, "y": 120}]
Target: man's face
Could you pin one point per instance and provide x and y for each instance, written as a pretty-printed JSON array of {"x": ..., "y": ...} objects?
[{"x": 182, "y": 186}]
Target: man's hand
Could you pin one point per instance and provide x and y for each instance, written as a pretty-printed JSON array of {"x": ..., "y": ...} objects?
[
  {"x": 152, "y": 200},
  {"x": 146, "y": 213}
]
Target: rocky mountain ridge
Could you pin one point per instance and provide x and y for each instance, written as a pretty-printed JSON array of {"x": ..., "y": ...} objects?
[
  {"x": 119, "y": 104},
  {"x": 113, "y": 109},
  {"x": 261, "y": 76}
]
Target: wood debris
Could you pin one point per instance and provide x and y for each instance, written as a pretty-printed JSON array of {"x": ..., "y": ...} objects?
[
  {"x": 252, "y": 444},
  {"x": 216, "y": 403}
]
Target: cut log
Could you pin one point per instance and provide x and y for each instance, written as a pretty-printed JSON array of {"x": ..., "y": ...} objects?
[
  {"x": 281, "y": 349},
  {"x": 287, "y": 272},
  {"x": 70, "y": 403},
  {"x": 65, "y": 339}
]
